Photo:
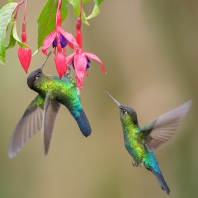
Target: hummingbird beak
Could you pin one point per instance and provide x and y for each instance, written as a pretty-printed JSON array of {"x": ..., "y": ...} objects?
[
  {"x": 113, "y": 98},
  {"x": 45, "y": 61}
]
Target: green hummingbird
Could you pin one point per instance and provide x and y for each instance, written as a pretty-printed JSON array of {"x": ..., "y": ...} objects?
[
  {"x": 141, "y": 142},
  {"x": 42, "y": 111}
]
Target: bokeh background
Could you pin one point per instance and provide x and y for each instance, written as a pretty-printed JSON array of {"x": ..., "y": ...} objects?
[{"x": 150, "y": 50}]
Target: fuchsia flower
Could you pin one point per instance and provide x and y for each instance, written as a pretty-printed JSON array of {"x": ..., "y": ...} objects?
[
  {"x": 24, "y": 54},
  {"x": 81, "y": 59},
  {"x": 59, "y": 39}
]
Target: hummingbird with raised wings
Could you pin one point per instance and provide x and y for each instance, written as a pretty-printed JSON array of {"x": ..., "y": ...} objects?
[{"x": 141, "y": 142}]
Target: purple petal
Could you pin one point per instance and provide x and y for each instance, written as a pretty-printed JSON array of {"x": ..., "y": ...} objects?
[
  {"x": 63, "y": 41},
  {"x": 88, "y": 63},
  {"x": 68, "y": 36}
]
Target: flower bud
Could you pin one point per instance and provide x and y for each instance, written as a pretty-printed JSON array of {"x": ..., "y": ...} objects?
[{"x": 25, "y": 56}]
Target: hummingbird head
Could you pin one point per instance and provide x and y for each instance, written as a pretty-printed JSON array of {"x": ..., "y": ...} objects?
[
  {"x": 127, "y": 114},
  {"x": 35, "y": 77}
]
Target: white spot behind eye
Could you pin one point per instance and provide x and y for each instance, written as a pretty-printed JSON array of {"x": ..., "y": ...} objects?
[
  {"x": 37, "y": 77},
  {"x": 124, "y": 111}
]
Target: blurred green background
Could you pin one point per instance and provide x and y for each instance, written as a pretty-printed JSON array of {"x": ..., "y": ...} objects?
[{"x": 150, "y": 50}]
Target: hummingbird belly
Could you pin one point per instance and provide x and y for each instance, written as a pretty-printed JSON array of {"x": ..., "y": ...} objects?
[{"x": 135, "y": 150}]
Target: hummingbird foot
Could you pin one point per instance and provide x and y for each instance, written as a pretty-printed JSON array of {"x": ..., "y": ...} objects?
[{"x": 135, "y": 164}]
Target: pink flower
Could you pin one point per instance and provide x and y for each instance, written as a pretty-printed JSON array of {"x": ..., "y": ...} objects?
[
  {"x": 59, "y": 38},
  {"x": 58, "y": 34},
  {"x": 81, "y": 59},
  {"x": 24, "y": 54}
]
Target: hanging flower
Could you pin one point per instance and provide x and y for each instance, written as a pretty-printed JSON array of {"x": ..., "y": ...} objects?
[
  {"x": 64, "y": 37},
  {"x": 24, "y": 54},
  {"x": 59, "y": 39},
  {"x": 81, "y": 59}
]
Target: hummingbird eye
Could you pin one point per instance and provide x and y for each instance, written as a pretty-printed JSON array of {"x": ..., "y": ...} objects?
[
  {"x": 38, "y": 76},
  {"x": 124, "y": 111}
]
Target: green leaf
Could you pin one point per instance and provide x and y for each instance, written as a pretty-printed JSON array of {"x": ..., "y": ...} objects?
[
  {"x": 98, "y": 2},
  {"x": 84, "y": 19},
  {"x": 95, "y": 12},
  {"x": 12, "y": 41},
  {"x": 47, "y": 17},
  {"x": 5, "y": 18},
  {"x": 76, "y": 7},
  {"x": 15, "y": 35}
]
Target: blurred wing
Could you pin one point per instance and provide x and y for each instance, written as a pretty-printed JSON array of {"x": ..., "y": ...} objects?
[
  {"x": 51, "y": 109},
  {"x": 28, "y": 125},
  {"x": 163, "y": 128}
]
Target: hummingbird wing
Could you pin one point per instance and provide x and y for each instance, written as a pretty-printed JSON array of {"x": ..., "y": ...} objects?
[
  {"x": 28, "y": 125},
  {"x": 163, "y": 128},
  {"x": 51, "y": 108}
]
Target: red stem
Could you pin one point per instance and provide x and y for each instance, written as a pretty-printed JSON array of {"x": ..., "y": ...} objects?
[
  {"x": 58, "y": 13},
  {"x": 24, "y": 19},
  {"x": 78, "y": 27},
  {"x": 25, "y": 8},
  {"x": 80, "y": 8}
]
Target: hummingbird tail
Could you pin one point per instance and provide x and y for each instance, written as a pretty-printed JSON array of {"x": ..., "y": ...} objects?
[
  {"x": 161, "y": 180},
  {"x": 83, "y": 124}
]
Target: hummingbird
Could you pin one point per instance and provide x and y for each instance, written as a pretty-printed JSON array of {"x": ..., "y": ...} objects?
[
  {"x": 42, "y": 111},
  {"x": 141, "y": 142}
]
